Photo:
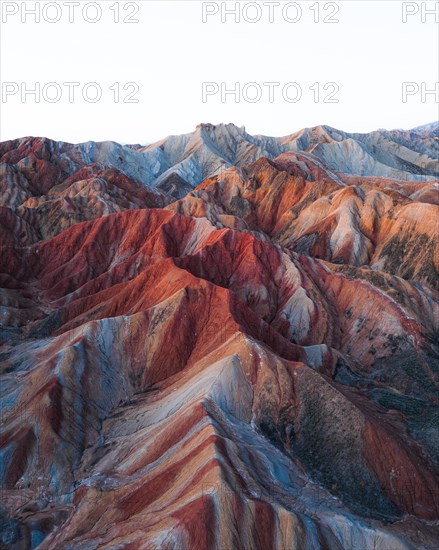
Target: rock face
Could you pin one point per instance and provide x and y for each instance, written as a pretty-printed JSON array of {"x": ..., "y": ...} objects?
[
  {"x": 177, "y": 162},
  {"x": 251, "y": 366},
  {"x": 389, "y": 226}
]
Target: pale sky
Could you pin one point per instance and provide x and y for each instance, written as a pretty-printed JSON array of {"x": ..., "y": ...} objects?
[{"x": 170, "y": 52}]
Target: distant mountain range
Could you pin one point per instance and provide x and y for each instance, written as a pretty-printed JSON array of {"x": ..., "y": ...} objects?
[{"x": 178, "y": 163}]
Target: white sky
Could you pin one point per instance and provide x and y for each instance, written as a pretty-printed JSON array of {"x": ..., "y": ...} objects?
[{"x": 170, "y": 52}]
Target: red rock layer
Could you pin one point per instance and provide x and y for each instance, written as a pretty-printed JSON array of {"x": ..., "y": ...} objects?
[{"x": 342, "y": 220}]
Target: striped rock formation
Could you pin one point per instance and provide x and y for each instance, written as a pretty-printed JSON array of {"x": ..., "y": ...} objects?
[{"x": 252, "y": 365}]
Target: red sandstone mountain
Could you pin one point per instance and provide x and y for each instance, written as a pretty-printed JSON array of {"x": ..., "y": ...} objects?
[{"x": 252, "y": 366}]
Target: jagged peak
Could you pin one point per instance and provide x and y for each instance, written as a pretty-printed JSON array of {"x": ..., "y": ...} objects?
[{"x": 208, "y": 126}]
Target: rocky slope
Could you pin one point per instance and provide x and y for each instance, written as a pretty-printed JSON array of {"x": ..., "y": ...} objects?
[
  {"x": 251, "y": 366},
  {"x": 178, "y": 163},
  {"x": 386, "y": 225}
]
